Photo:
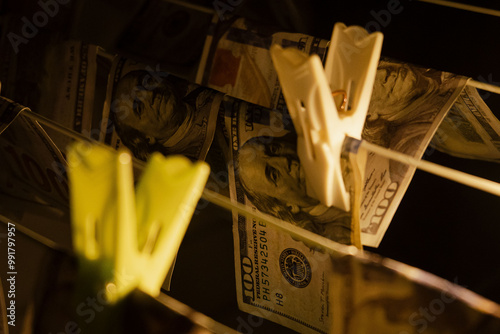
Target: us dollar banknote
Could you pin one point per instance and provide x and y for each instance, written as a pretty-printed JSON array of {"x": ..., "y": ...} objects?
[
  {"x": 407, "y": 106},
  {"x": 55, "y": 78},
  {"x": 470, "y": 130},
  {"x": 266, "y": 174},
  {"x": 282, "y": 277},
  {"x": 148, "y": 110},
  {"x": 332, "y": 288},
  {"x": 33, "y": 182},
  {"x": 275, "y": 270},
  {"x": 236, "y": 60},
  {"x": 385, "y": 296},
  {"x": 29, "y": 156}
]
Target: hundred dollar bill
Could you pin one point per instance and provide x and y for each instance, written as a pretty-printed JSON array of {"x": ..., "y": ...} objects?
[
  {"x": 265, "y": 173},
  {"x": 408, "y": 104},
  {"x": 385, "y": 296},
  {"x": 55, "y": 78},
  {"x": 470, "y": 130},
  {"x": 67, "y": 95},
  {"x": 31, "y": 157},
  {"x": 33, "y": 182},
  {"x": 147, "y": 110},
  {"x": 312, "y": 285},
  {"x": 237, "y": 61},
  {"x": 274, "y": 270},
  {"x": 281, "y": 279}
]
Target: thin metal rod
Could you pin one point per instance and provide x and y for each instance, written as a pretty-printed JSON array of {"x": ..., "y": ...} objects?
[
  {"x": 198, "y": 318},
  {"x": 33, "y": 235},
  {"x": 430, "y": 167},
  {"x": 55, "y": 126},
  {"x": 295, "y": 231},
  {"x": 462, "y": 6},
  {"x": 484, "y": 86}
]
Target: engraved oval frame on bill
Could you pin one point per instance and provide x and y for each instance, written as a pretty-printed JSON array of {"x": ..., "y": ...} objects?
[{"x": 300, "y": 275}]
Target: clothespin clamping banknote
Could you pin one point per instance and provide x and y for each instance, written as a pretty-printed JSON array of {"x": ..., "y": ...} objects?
[
  {"x": 321, "y": 122},
  {"x": 324, "y": 126},
  {"x": 125, "y": 240}
]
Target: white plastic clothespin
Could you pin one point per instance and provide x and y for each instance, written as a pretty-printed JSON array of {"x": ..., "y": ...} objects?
[{"x": 309, "y": 91}]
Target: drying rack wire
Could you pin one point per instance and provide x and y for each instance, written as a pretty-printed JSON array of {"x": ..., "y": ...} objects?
[{"x": 296, "y": 232}]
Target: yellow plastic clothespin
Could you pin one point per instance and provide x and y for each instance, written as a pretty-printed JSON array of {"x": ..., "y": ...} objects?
[
  {"x": 126, "y": 241},
  {"x": 310, "y": 92}
]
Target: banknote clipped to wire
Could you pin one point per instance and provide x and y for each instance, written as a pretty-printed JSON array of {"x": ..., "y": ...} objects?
[
  {"x": 325, "y": 130},
  {"x": 340, "y": 289},
  {"x": 125, "y": 241}
]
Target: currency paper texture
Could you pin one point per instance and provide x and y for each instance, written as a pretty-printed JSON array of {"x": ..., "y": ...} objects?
[
  {"x": 55, "y": 78},
  {"x": 470, "y": 130},
  {"x": 265, "y": 173},
  {"x": 148, "y": 110},
  {"x": 385, "y": 296},
  {"x": 238, "y": 62},
  {"x": 280, "y": 277},
  {"x": 33, "y": 182},
  {"x": 332, "y": 288},
  {"x": 407, "y": 106},
  {"x": 33, "y": 167}
]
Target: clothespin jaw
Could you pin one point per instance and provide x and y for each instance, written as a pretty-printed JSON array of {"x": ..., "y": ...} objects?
[
  {"x": 101, "y": 194},
  {"x": 125, "y": 241},
  {"x": 322, "y": 127},
  {"x": 351, "y": 65},
  {"x": 166, "y": 199}
]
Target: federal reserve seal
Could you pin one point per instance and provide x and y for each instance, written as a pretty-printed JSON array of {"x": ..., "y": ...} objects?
[{"x": 295, "y": 268}]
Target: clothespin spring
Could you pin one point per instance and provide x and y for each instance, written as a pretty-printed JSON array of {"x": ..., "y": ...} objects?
[{"x": 343, "y": 105}]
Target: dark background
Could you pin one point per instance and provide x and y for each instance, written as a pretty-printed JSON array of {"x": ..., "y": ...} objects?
[{"x": 443, "y": 227}]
